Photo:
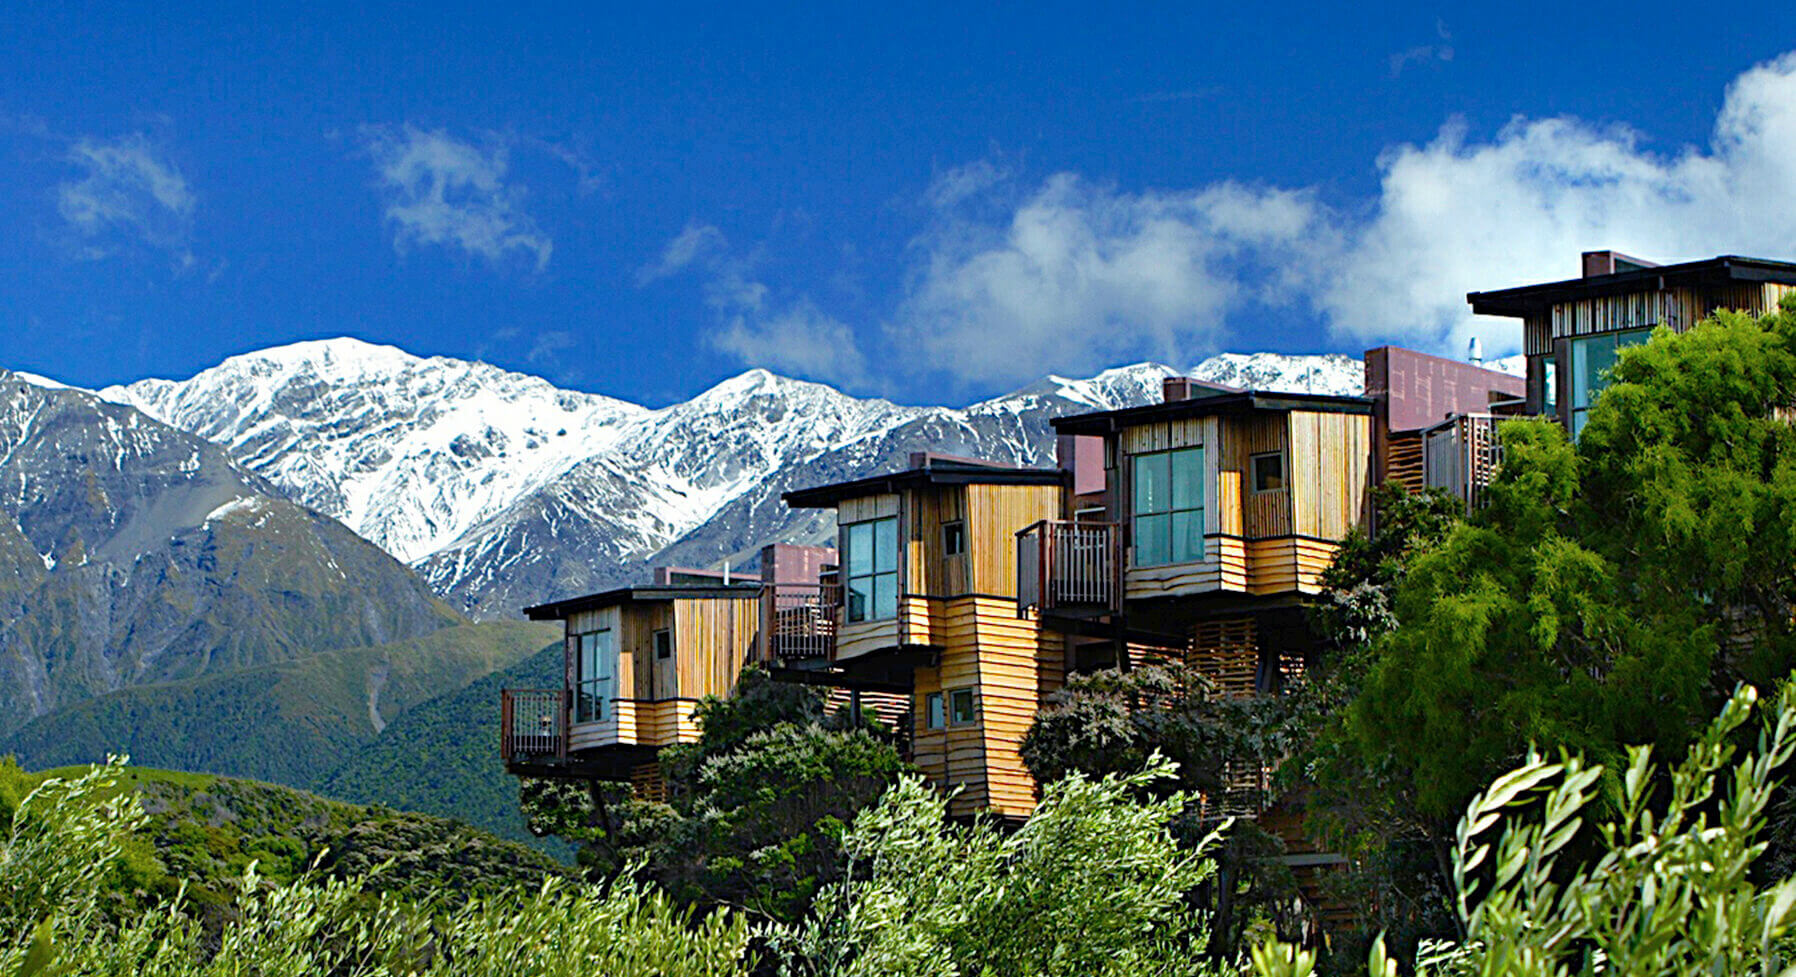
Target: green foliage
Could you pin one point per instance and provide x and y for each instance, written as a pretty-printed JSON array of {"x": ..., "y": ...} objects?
[
  {"x": 1614, "y": 590},
  {"x": 1110, "y": 723},
  {"x": 1672, "y": 891},
  {"x": 1094, "y": 883},
  {"x": 754, "y": 810},
  {"x": 200, "y": 833},
  {"x": 67, "y": 834},
  {"x": 291, "y": 723},
  {"x": 438, "y": 758}
]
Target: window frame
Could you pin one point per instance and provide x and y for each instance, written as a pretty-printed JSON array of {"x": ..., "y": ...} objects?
[
  {"x": 1253, "y": 471},
  {"x": 954, "y": 530},
  {"x": 935, "y": 711},
  {"x": 1581, "y": 347},
  {"x": 953, "y": 712},
  {"x": 1171, "y": 513},
  {"x": 853, "y": 613},
  {"x": 590, "y": 704},
  {"x": 662, "y": 641}
]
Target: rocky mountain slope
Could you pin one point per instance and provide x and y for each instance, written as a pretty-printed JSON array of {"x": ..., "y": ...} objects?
[
  {"x": 132, "y": 552},
  {"x": 504, "y": 490}
]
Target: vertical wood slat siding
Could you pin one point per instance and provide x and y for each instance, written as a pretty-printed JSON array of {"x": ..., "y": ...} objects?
[
  {"x": 663, "y": 677},
  {"x": 929, "y": 569},
  {"x": 711, "y": 641},
  {"x": 1679, "y": 308},
  {"x": 1265, "y": 513},
  {"x": 994, "y": 515}
]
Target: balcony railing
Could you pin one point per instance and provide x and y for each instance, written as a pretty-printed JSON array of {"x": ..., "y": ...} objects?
[
  {"x": 533, "y": 723},
  {"x": 799, "y": 621},
  {"x": 1462, "y": 455},
  {"x": 1069, "y": 565}
]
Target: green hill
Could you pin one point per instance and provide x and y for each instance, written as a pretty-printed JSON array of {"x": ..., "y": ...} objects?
[
  {"x": 204, "y": 830},
  {"x": 442, "y": 756},
  {"x": 290, "y": 723}
]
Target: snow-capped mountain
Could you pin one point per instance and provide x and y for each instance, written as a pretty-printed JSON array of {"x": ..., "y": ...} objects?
[{"x": 505, "y": 490}]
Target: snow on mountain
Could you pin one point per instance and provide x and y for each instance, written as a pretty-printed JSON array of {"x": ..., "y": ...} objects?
[
  {"x": 408, "y": 452},
  {"x": 505, "y": 490}
]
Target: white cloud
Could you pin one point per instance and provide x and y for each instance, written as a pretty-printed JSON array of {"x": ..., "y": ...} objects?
[
  {"x": 1457, "y": 215},
  {"x": 1424, "y": 53},
  {"x": 800, "y": 339},
  {"x": 130, "y": 191},
  {"x": 695, "y": 242},
  {"x": 1081, "y": 276},
  {"x": 1077, "y": 276},
  {"x": 794, "y": 337},
  {"x": 440, "y": 190}
]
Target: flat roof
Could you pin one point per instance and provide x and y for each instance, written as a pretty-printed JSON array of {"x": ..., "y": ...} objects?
[
  {"x": 937, "y": 472},
  {"x": 1106, "y": 422},
  {"x": 559, "y": 610},
  {"x": 1526, "y": 300}
]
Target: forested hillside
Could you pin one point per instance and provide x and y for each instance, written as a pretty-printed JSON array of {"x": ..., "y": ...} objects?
[{"x": 293, "y": 722}]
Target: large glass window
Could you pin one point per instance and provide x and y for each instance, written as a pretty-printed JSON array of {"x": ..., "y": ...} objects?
[
  {"x": 1549, "y": 385},
  {"x": 1169, "y": 507},
  {"x": 595, "y": 670},
  {"x": 1591, "y": 358},
  {"x": 870, "y": 568}
]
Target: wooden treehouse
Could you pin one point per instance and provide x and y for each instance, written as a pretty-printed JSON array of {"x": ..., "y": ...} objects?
[
  {"x": 923, "y": 604},
  {"x": 1572, "y": 331},
  {"x": 637, "y": 661}
]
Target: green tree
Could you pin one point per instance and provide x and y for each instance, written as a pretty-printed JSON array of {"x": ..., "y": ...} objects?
[
  {"x": 1093, "y": 883},
  {"x": 1671, "y": 891},
  {"x": 754, "y": 808},
  {"x": 1110, "y": 723}
]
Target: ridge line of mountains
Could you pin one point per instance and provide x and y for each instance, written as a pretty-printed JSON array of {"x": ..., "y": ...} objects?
[{"x": 280, "y": 567}]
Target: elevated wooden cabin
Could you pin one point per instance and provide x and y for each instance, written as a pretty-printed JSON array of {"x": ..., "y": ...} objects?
[
  {"x": 924, "y": 602},
  {"x": 637, "y": 661},
  {"x": 1573, "y": 329}
]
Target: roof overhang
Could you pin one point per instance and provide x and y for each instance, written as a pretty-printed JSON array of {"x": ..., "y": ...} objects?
[
  {"x": 827, "y": 496},
  {"x": 559, "y": 610},
  {"x": 1534, "y": 300},
  {"x": 1111, "y": 421}
]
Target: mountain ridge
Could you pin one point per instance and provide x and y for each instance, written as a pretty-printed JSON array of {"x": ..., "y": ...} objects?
[{"x": 503, "y": 490}]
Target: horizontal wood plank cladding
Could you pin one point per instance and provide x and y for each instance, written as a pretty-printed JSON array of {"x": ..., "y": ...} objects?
[
  {"x": 588, "y": 736},
  {"x": 1293, "y": 563},
  {"x": 1403, "y": 460},
  {"x": 1331, "y": 455},
  {"x": 647, "y": 783},
  {"x": 711, "y": 642},
  {"x": 1227, "y": 652},
  {"x": 1010, "y": 664},
  {"x": 854, "y": 640},
  {"x": 994, "y": 515}
]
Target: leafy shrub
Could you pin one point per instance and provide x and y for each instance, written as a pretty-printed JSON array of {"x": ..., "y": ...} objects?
[
  {"x": 1093, "y": 884},
  {"x": 1672, "y": 892}
]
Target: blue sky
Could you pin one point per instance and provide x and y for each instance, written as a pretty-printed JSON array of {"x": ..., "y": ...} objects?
[{"x": 930, "y": 203}]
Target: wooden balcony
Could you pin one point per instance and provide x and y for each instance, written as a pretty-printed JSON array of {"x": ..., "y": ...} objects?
[
  {"x": 1462, "y": 455},
  {"x": 1069, "y": 566},
  {"x": 533, "y": 724},
  {"x": 799, "y": 621}
]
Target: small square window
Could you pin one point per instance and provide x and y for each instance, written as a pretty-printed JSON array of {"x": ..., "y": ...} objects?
[
  {"x": 932, "y": 711},
  {"x": 663, "y": 644},
  {"x": 1269, "y": 471},
  {"x": 954, "y": 538},
  {"x": 960, "y": 706}
]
